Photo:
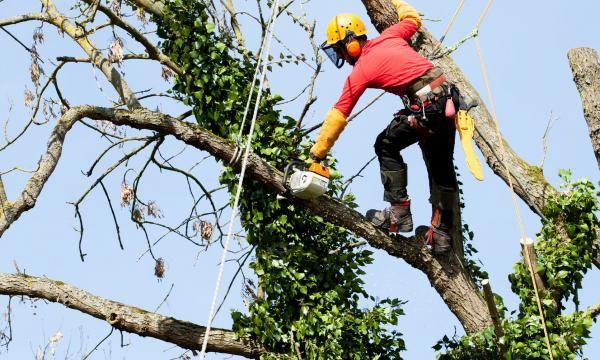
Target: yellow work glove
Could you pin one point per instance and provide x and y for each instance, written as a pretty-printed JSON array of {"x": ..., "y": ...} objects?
[
  {"x": 466, "y": 127},
  {"x": 334, "y": 124},
  {"x": 407, "y": 12}
]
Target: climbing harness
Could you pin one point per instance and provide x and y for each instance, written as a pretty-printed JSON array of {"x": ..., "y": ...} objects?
[{"x": 261, "y": 64}]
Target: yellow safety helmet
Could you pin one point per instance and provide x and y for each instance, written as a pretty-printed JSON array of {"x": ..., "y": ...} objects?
[
  {"x": 341, "y": 24},
  {"x": 342, "y": 32}
]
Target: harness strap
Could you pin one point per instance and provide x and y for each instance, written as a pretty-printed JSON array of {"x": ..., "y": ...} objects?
[{"x": 426, "y": 82}]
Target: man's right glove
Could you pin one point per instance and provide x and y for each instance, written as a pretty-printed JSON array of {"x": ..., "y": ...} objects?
[{"x": 334, "y": 124}]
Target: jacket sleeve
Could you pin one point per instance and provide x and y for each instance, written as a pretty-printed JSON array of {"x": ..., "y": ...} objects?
[{"x": 354, "y": 87}]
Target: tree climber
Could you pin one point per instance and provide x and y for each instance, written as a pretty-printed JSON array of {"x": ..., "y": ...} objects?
[{"x": 388, "y": 62}]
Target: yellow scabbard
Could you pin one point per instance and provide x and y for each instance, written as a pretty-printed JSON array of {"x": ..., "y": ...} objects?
[{"x": 466, "y": 127}]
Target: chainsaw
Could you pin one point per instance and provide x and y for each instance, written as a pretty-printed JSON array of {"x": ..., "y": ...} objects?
[{"x": 306, "y": 181}]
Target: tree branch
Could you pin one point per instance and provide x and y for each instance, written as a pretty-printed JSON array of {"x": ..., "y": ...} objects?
[
  {"x": 154, "y": 7},
  {"x": 446, "y": 275},
  {"x": 128, "y": 318},
  {"x": 23, "y": 18},
  {"x": 152, "y": 50},
  {"x": 46, "y": 166},
  {"x": 76, "y": 33},
  {"x": 595, "y": 310}
]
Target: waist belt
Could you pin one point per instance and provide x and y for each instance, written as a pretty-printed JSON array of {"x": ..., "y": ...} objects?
[{"x": 426, "y": 84}]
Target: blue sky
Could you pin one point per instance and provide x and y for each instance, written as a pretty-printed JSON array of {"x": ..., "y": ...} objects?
[{"x": 525, "y": 46}]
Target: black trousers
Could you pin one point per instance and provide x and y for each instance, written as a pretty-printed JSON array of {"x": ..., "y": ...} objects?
[{"x": 437, "y": 145}]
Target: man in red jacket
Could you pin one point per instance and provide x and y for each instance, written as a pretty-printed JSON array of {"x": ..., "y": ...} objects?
[{"x": 388, "y": 62}]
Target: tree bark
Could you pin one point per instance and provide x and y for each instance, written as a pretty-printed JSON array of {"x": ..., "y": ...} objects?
[
  {"x": 585, "y": 65},
  {"x": 595, "y": 310},
  {"x": 128, "y": 318},
  {"x": 529, "y": 182}
]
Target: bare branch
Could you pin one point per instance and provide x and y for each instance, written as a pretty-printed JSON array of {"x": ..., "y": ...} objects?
[
  {"x": 127, "y": 318},
  {"x": 55, "y": 18},
  {"x": 23, "y": 18},
  {"x": 46, "y": 166},
  {"x": 228, "y": 4},
  {"x": 551, "y": 121},
  {"x": 152, "y": 50}
]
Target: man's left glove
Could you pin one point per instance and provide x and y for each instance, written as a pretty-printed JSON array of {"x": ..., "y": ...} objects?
[{"x": 334, "y": 124}]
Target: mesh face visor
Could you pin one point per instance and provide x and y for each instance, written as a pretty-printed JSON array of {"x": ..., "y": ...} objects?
[{"x": 332, "y": 54}]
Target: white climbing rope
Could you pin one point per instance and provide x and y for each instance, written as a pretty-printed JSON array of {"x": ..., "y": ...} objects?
[
  {"x": 260, "y": 65},
  {"x": 237, "y": 153}
]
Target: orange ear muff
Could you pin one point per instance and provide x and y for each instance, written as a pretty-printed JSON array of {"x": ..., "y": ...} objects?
[{"x": 353, "y": 48}]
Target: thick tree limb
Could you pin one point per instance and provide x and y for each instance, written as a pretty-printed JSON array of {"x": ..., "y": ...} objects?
[
  {"x": 128, "y": 318},
  {"x": 530, "y": 184},
  {"x": 585, "y": 65},
  {"x": 46, "y": 166},
  {"x": 447, "y": 276}
]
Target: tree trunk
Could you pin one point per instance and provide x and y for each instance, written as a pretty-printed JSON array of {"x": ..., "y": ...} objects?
[{"x": 585, "y": 65}]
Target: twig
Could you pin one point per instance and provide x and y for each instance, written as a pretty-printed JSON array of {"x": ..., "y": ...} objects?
[
  {"x": 100, "y": 343},
  {"x": 21, "y": 43},
  {"x": 165, "y": 299},
  {"x": 348, "y": 246},
  {"x": 351, "y": 117},
  {"x": 112, "y": 211},
  {"x": 78, "y": 215},
  {"x": 120, "y": 142},
  {"x": 3, "y": 199},
  {"x": 349, "y": 181},
  {"x": 200, "y": 185},
  {"x": 545, "y": 139},
  {"x": 114, "y": 166},
  {"x": 238, "y": 271}
]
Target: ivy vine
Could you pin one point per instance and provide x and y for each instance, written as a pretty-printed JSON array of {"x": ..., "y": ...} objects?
[{"x": 561, "y": 264}]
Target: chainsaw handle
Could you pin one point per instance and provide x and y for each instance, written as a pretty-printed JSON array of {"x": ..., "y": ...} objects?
[{"x": 286, "y": 172}]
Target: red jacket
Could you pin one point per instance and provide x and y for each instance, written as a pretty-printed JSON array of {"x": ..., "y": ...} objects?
[{"x": 387, "y": 62}]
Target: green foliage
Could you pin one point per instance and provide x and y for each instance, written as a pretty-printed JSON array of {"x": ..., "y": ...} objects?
[
  {"x": 561, "y": 264},
  {"x": 310, "y": 275}
]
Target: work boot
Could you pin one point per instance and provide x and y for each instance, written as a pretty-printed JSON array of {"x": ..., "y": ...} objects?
[
  {"x": 439, "y": 240},
  {"x": 395, "y": 218},
  {"x": 438, "y": 234}
]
